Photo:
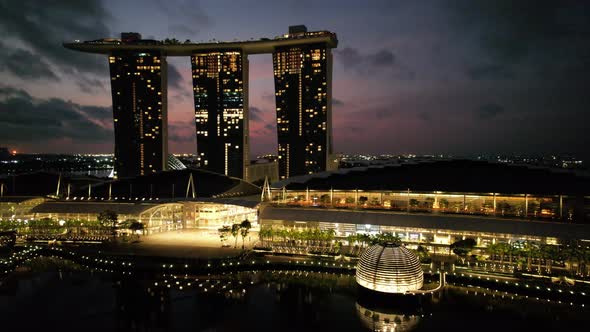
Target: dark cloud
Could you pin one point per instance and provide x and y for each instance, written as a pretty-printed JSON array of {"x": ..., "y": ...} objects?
[
  {"x": 89, "y": 84},
  {"x": 270, "y": 126},
  {"x": 337, "y": 102},
  {"x": 256, "y": 114},
  {"x": 181, "y": 132},
  {"x": 26, "y": 119},
  {"x": 382, "y": 61},
  {"x": 24, "y": 64},
  {"x": 183, "y": 95},
  {"x": 188, "y": 17},
  {"x": 353, "y": 129},
  {"x": 175, "y": 80},
  {"x": 489, "y": 111},
  {"x": 42, "y": 27},
  {"x": 268, "y": 96},
  {"x": 382, "y": 58},
  {"x": 425, "y": 116},
  {"x": 383, "y": 113},
  {"x": 546, "y": 36},
  {"x": 350, "y": 57},
  {"x": 490, "y": 72}
]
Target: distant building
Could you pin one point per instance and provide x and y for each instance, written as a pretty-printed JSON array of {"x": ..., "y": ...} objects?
[
  {"x": 303, "y": 81},
  {"x": 130, "y": 37},
  {"x": 259, "y": 169},
  {"x": 297, "y": 29},
  {"x": 139, "y": 90},
  {"x": 220, "y": 85},
  {"x": 4, "y": 153}
]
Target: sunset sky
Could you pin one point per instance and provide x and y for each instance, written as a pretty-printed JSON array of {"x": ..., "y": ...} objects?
[{"x": 451, "y": 77}]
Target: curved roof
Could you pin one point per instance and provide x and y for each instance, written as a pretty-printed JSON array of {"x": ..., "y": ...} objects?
[
  {"x": 171, "y": 185},
  {"x": 42, "y": 183},
  {"x": 448, "y": 176},
  {"x": 174, "y": 163},
  {"x": 389, "y": 268},
  {"x": 82, "y": 207},
  {"x": 20, "y": 199}
]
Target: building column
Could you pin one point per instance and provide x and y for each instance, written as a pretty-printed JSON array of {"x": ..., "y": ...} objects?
[
  {"x": 331, "y": 196},
  {"x": 560, "y": 206},
  {"x": 494, "y": 195}
]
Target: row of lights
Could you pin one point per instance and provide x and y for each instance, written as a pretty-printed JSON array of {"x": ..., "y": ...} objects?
[{"x": 31, "y": 252}]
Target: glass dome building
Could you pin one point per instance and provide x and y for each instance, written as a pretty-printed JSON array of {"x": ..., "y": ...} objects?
[{"x": 389, "y": 268}]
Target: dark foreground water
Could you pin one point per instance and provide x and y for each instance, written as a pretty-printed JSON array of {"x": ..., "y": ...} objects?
[{"x": 81, "y": 300}]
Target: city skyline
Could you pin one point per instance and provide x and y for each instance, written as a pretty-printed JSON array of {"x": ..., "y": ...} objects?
[{"x": 476, "y": 81}]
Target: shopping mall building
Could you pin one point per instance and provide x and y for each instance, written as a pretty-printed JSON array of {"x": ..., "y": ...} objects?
[{"x": 435, "y": 202}]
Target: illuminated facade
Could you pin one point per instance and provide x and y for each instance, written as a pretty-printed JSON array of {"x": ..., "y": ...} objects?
[
  {"x": 221, "y": 111},
  {"x": 303, "y": 76},
  {"x": 139, "y": 90}
]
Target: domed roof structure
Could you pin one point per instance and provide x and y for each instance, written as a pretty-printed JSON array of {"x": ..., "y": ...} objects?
[{"x": 389, "y": 268}]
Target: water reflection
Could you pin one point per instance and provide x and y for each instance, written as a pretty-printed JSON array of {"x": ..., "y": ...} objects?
[
  {"x": 386, "y": 321},
  {"x": 67, "y": 297}
]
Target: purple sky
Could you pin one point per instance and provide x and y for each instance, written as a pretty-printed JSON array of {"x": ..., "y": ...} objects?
[{"x": 456, "y": 77}]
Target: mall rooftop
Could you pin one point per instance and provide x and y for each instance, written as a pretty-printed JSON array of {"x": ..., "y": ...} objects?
[{"x": 465, "y": 176}]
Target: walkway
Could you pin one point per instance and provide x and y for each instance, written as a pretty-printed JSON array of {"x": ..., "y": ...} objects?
[{"x": 182, "y": 244}]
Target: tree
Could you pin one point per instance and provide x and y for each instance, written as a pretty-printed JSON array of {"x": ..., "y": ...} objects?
[
  {"x": 235, "y": 230},
  {"x": 223, "y": 233},
  {"x": 244, "y": 229},
  {"x": 264, "y": 234},
  {"x": 385, "y": 238},
  {"x": 363, "y": 200},
  {"x": 462, "y": 248},
  {"x": 422, "y": 252},
  {"x": 108, "y": 218},
  {"x": 136, "y": 226}
]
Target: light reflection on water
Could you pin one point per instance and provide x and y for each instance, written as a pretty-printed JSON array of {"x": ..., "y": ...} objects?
[{"x": 256, "y": 301}]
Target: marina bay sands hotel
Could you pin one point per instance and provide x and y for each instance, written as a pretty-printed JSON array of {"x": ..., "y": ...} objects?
[{"x": 302, "y": 66}]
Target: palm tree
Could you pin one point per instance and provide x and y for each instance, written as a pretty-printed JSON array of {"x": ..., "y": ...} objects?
[
  {"x": 330, "y": 234},
  {"x": 491, "y": 249},
  {"x": 235, "y": 230},
  {"x": 108, "y": 218},
  {"x": 223, "y": 232},
  {"x": 530, "y": 250},
  {"x": 263, "y": 235},
  {"x": 244, "y": 229}
]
